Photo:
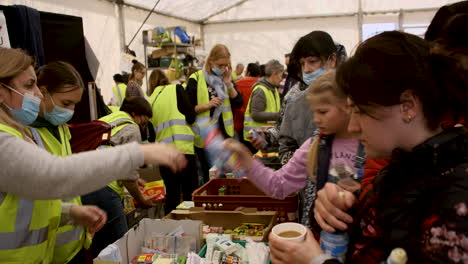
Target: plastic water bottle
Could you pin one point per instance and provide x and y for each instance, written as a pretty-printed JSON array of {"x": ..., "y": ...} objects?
[
  {"x": 255, "y": 134},
  {"x": 397, "y": 256},
  {"x": 219, "y": 158},
  {"x": 335, "y": 244}
]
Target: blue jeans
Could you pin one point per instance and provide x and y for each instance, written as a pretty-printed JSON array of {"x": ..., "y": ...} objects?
[{"x": 116, "y": 226}]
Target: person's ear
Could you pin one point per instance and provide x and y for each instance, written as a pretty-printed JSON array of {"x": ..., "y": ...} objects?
[
  {"x": 409, "y": 106},
  {"x": 331, "y": 62}
]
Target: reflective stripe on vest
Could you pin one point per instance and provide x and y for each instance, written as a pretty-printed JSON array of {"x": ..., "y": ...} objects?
[
  {"x": 120, "y": 91},
  {"x": 69, "y": 236},
  {"x": 63, "y": 252},
  {"x": 27, "y": 229},
  {"x": 203, "y": 98},
  {"x": 170, "y": 125},
  {"x": 118, "y": 120},
  {"x": 23, "y": 237},
  {"x": 273, "y": 105}
]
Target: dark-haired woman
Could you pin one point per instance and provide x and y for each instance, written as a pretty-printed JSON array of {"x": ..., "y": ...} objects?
[
  {"x": 419, "y": 200},
  {"x": 127, "y": 125},
  {"x": 135, "y": 80}
]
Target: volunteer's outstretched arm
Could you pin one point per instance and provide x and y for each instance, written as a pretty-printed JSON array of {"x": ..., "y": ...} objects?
[{"x": 31, "y": 172}]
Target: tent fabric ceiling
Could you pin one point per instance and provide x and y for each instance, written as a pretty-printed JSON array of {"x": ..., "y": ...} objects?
[
  {"x": 202, "y": 11},
  {"x": 192, "y": 10}
]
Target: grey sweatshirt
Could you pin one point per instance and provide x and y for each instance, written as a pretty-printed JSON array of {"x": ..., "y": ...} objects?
[
  {"x": 258, "y": 103},
  {"x": 31, "y": 172}
]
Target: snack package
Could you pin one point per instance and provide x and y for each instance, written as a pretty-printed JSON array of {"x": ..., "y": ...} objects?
[
  {"x": 227, "y": 246},
  {"x": 213, "y": 238},
  {"x": 257, "y": 253},
  {"x": 146, "y": 258},
  {"x": 218, "y": 157},
  {"x": 155, "y": 188}
]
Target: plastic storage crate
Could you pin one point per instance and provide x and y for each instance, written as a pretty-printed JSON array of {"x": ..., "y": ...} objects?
[{"x": 240, "y": 193}]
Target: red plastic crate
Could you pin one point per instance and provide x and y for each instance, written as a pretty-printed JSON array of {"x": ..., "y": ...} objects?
[{"x": 243, "y": 193}]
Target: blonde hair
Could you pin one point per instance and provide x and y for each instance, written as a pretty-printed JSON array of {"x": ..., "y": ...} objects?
[
  {"x": 219, "y": 51},
  {"x": 12, "y": 63},
  {"x": 157, "y": 78},
  {"x": 326, "y": 83}
]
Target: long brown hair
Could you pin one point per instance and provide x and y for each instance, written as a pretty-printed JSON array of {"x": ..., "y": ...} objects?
[
  {"x": 219, "y": 51},
  {"x": 157, "y": 78},
  {"x": 12, "y": 63}
]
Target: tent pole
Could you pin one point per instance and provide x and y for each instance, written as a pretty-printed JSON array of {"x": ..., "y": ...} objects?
[
  {"x": 121, "y": 24},
  {"x": 360, "y": 17},
  {"x": 202, "y": 33},
  {"x": 401, "y": 14}
]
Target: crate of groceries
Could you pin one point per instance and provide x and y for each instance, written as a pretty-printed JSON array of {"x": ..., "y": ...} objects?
[
  {"x": 247, "y": 223},
  {"x": 230, "y": 194}
]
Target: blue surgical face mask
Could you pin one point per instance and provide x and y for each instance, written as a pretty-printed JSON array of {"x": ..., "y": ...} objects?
[
  {"x": 59, "y": 115},
  {"x": 29, "y": 108},
  {"x": 308, "y": 78},
  {"x": 217, "y": 71}
]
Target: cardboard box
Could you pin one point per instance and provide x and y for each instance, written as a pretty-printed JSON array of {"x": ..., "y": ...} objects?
[
  {"x": 130, "y": 244},
  {"x": 227, "y": 219}
]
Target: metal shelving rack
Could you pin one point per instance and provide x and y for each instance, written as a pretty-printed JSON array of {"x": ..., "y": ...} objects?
[{"x": 179, "y": 48}]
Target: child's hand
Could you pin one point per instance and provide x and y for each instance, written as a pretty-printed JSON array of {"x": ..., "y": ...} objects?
[
  {"x": 331, "y": 206},
  {"x": 257, "y": 142},
  {"x": 244, "y": 154}
]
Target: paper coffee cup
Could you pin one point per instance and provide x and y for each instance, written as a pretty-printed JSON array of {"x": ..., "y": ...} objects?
[{"x": 290, "y": 231}]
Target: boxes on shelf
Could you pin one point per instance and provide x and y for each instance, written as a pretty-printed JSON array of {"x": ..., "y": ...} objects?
[
  {"x": 135, "y": 240},
  {"x": 243, "y": 193},
  {"x": 229, "y": 220},
  {"x": 164, "y": 62}
]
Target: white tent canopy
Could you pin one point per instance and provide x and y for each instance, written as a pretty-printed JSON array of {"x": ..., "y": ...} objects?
[{"x": 254, "y": 30}]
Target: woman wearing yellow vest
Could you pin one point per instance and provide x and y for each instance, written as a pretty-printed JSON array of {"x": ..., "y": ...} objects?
[
  {"x": 30, "y": 174},
  {"x": 213, "y": 93},
  {"x": 264, "y": 103},
  {"x": 172, "y": 116},
  {"x": 118, "y": 91},
  {"x": 127, "y": 125}
]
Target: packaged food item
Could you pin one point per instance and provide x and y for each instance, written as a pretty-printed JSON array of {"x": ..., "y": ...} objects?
[
  {"x": 155, "y": 188},
  {"x": 185, "y": 205},
  {"x": 223, "y": 160},
  {"x": 222, "y": 190},
  {"x": 227, "y": 246},
  {"x": 256, "y": 135},
  {"x": 213, "y": 173},
  {"x": 249, "y": 230},
  {"x": 146, "y": 258},
  {"x": 216, "y": 259},
  {"x": 166, "y": 259},
  {"x": 212, "y": 238}
]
